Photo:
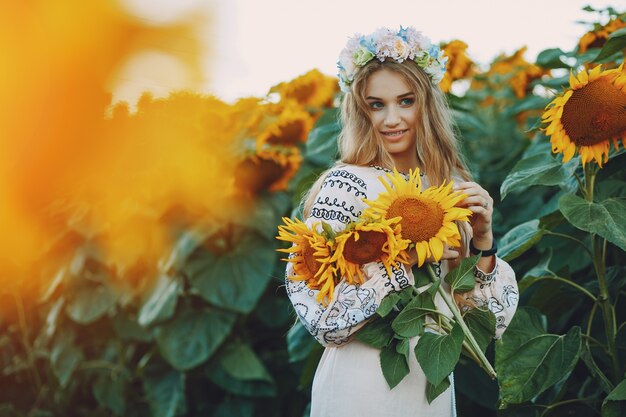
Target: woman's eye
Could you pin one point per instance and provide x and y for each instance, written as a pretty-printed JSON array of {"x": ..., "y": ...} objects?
[
  {"x": 407, "y": 101},
  {"x": 376, "y": 105}
]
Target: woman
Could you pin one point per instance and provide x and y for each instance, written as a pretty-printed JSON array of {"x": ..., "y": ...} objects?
[{"x": 394, "y": 116}]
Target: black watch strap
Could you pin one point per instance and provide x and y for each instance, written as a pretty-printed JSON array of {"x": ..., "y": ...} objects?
[{"x": 485, "y": 253}]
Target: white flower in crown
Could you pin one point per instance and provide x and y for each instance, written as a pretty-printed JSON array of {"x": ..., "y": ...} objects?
[{"x": 407, "y": 43}]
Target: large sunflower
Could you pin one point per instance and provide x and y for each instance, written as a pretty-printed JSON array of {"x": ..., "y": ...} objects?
[
  {"x": 426, "y": 217},
  {"x": 366, "y": 241},
  {"x": 310, "y": 256},
  {"x": 590, "y": 114}
]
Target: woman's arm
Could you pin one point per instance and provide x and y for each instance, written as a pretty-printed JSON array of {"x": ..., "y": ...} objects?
[{"x": 338, "y": 203}]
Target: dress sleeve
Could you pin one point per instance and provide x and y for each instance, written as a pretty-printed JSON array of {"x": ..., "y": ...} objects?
[
  {"x": 498, "y": 291},
  {"x": 338, "y": 203}
]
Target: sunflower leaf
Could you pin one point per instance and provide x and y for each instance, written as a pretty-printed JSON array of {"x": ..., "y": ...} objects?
[
  {"x": 377, "y": 333},
  {"x": 461, "y": 278},
  {"x": 606, "y": 219},
  {"x": 438, "y": 354},
  {"x": 192, "y": 336},
  {"x": 535, "y": 364},
  {"x": 519, "y": 239},
  {"x": 328, "y": 231},
  {"x": 220, "y": 277},
  {"x": 410, "y": 321},
  {"x": 537, "y": 168},
  {"x": 613, "y": 405},
  {"x": 387, "y": 304},
  {"x": 433, "y": 391},
  {"x": 482, "y": 323},
  {"x": 394, "y": 365}
]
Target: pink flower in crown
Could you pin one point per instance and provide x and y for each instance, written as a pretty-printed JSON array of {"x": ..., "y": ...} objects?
[
  {"x": 385, "y": 40},
  {"x": 415, "y": 40}
]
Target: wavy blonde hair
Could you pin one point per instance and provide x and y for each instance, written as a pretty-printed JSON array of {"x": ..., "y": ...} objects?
[{"x": 437, "y": 146}]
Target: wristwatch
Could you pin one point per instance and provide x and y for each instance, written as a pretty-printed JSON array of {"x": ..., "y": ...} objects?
[{"x": 486, "y": 252}]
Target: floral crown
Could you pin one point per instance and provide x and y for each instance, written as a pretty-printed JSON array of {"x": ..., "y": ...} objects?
[{"x": 384, "y": 43}]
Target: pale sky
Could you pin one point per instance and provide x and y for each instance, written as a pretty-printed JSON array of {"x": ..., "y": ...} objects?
[
  {"x": 258, "y": 43},
  {"x": 266, "y": 42}
]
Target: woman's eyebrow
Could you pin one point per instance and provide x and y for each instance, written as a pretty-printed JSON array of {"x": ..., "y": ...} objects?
[{"x": 410, "y": 93}]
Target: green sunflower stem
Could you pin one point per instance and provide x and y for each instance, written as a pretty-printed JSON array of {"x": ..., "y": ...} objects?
[
  {"x": 472, "y": 345},
  {"x": 598, "y": 250}
]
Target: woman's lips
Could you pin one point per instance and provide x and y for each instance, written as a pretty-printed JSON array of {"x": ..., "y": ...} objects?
[{"x": 396, "y": 134}]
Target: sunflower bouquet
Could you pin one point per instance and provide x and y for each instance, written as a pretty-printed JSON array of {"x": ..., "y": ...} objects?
[{"x": 405, "y": 218}]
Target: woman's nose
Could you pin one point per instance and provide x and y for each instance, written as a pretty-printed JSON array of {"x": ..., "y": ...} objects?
[{"x": 392, "y": 118}]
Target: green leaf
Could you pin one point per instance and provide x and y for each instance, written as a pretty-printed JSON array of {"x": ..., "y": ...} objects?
[
  {"x": 109, "y": 390},
  {"x": 234, "y": 280},
  {"x": 377, "y": 333},
  {"x": 65, "y": 356},
  {"x": 461, "y": 278},
  {"x": 227, "y": 382},
  {"x": 160, "y": 301},
  {"x": 433, "y": 391},
  {"x": 240, "y": 361},
  {"x": 599, "y": 376},
  {"x": 537, "y": 169},
  {"x": 482, "y": 324},
  {"x": 90, "y": 303},
  {"x": 191, "y": 337},
  {"x": 165, "y": 391},
  {"x": 519, "y": 239},
  {"x": 299, "y": 342},
  {"x": 128, "y": 329},
  {"x": 536, "y": 365},
  {"x": 387, "y": 304},
  {"x": 438, "y": 354},
  {"x": 613, "y": 405},
  {"x": 528, "y": 103},
  {"x": 239, "y": 408},
  {"x": 328, "y": 231},
  {"x": 537, "y": 273},
  {"x": 410, "y": 321},
  {"x": 403, "y": 347},
  {"x": 606, "y": 219},
  {"x": 393, "y": 364},
  {"x": 615, "y": 43},
  {"x": 551, "y": 58},
  {"x": 526, "y": 324},
  {"x": 321, "y": 145}
]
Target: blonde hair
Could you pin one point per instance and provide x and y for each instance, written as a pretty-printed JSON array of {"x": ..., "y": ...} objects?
[{"x": 360, "y": 144}]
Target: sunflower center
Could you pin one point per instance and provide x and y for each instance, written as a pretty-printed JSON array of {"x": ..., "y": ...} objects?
[
  {"x": 594, "y": 113},
  {"x": 421, "y": 219},
  {"x": 311, "y": 263},
  {"x": 257, "y": 175},
  {"x": 367, "y": 249}
]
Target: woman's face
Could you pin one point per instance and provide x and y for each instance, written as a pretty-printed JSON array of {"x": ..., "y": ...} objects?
[{"x": 393, "y": 112}]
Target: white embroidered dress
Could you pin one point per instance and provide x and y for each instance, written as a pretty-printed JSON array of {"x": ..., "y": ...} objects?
[{"x": 349, "y": 381}]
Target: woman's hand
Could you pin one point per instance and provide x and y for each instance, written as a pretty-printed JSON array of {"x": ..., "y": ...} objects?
[{"x": 480, "y": 203}]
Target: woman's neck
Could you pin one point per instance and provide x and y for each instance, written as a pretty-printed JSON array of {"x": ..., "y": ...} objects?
[{"x": 406, "y": 162}]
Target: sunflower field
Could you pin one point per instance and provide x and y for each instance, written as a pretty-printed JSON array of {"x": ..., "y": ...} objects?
[{"x": 141, "y": 274}]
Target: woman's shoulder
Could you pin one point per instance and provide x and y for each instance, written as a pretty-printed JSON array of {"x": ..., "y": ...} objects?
[{"x": 357, "y": 175}]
